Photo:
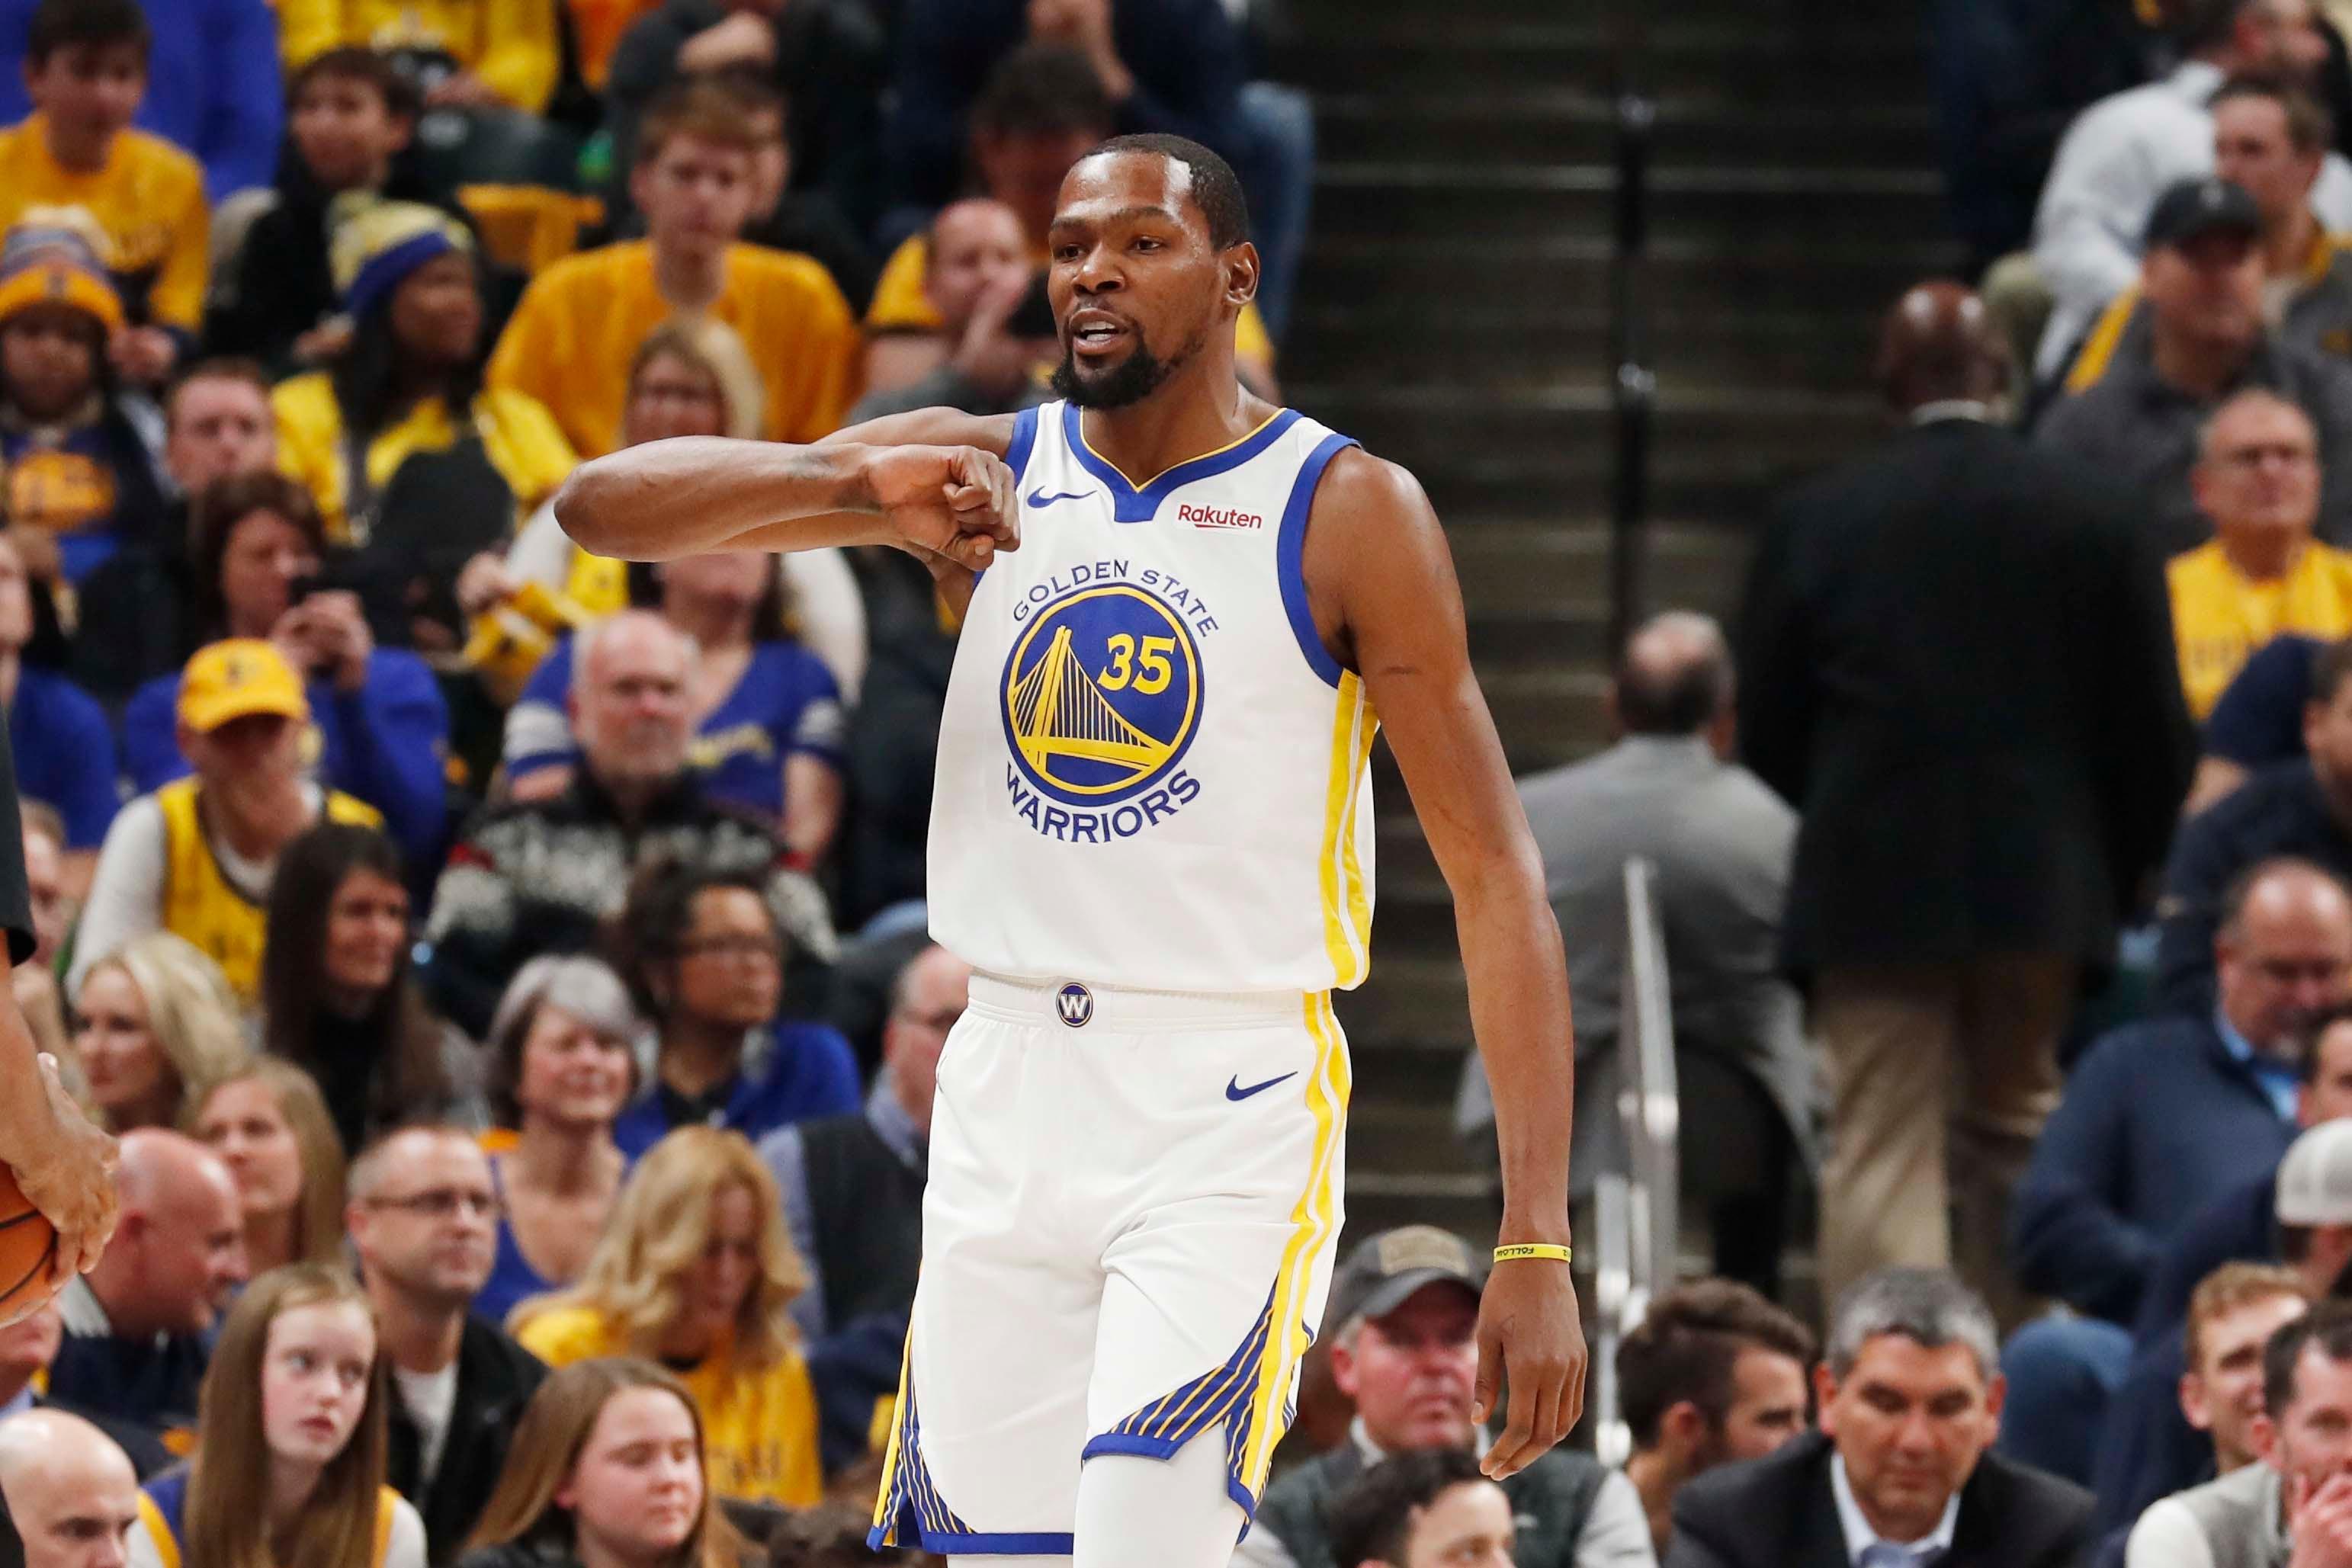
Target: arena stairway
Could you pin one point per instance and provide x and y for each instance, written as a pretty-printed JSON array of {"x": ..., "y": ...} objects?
[{"x": 1453, "y": 315}]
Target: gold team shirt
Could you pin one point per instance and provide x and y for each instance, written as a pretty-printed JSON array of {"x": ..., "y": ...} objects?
[
  {"x": 202, "y": 907},
  {"x": 580, "y": 323},
  {"x": 900, "y": 306},
  {"x": 759, "y": 1427},
  {"x": 150, "y": 200},
  {"x": 511, "y": 44},
  {"x": 2220, "y": 615},
  {"x": 518, "y": 435}
]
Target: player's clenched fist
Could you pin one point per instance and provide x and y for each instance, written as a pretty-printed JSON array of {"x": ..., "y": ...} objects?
[{"x": 955, "y": 501}]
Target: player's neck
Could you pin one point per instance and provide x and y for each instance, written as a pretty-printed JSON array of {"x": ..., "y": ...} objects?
[{"x": 1200, "y": 409}]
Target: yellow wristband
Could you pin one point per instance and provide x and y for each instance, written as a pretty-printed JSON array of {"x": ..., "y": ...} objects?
[{"x": 1532, "y": 1249}]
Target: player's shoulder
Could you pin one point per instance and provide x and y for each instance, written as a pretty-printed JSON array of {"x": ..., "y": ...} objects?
[{"x": 1370, "y": 491}]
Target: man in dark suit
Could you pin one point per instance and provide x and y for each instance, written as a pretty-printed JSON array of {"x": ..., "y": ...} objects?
[
  {"x": 1957, "y": 661},
  {"x": 1899, "y": 1474}
]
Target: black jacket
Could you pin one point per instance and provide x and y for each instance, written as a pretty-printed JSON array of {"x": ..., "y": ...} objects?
[
  {"x": 1956, "y": 661},
  {"x": 496, "y": 1379},
  {"x": 1779, "y": 1513}
]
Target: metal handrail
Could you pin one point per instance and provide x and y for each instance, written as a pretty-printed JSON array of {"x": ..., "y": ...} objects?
[
  {"x": 1649, "y": 1103},
  {"x": 1615, "y": 1313}
]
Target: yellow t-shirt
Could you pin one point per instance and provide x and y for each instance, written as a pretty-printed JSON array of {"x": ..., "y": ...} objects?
[
  {"x": 518, "y": 436},
  {"x": 511, "y": 44},
  {"x": 150, "y": 200},
  {"x": 581, "y": 320},
  {"x": 900, "y": 306},
  {"x": 2220, "y": 616},
  {"x": 759, "y": 1428}
]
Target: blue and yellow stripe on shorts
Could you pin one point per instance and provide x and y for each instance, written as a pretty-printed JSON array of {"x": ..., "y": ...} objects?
[
  {"x": 1251, "y": 1394},
  {"x": 1347, "y": 900}
]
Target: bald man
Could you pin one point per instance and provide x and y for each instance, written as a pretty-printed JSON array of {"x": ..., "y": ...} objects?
[
  {"x": 1720, "y": 841},
  {"x": 137, "y": 1325},
  {"x": 70, "y": 1491},
  {"x": 1955, "y": 662}
]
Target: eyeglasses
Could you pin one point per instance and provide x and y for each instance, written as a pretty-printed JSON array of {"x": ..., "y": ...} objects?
[
  {"x": 741, "y": 945},
  {"x": 442, "y": 1203},
  {"x": 2255, "y": 456}
]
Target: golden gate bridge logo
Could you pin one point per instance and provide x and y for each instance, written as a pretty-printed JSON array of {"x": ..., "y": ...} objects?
[{"x": 1102, "y": 694}]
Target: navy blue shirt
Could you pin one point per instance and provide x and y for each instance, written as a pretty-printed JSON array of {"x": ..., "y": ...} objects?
[
  {"x": 64, "y": 754},
  {"x": 789, "y": 1073},
  {"x": 2280, "y": 810},
  {"x": 2259, "y": 719}
]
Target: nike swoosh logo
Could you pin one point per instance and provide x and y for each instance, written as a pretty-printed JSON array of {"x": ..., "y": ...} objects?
[
  {"x": 1233, "y": 1090},
  {"x": 1041, "y": 500}
]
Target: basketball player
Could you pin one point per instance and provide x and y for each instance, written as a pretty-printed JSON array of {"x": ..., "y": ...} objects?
[
  {"x": 63, "y": 1163},
  {"x": 1151, "y": 839}
]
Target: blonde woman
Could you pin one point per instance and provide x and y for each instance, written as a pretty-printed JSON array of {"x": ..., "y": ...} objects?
[
  {"x": 288, "y": 1467},
  {"x": 269, "y": 1125},
  {"x": 607, "y": 1468},
  {"x": 158, "y": 1026},
  {"x": 695, "y": 1271}
]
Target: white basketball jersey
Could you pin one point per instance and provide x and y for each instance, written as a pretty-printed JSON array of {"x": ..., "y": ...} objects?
[{"x": 1151, "y": 773}]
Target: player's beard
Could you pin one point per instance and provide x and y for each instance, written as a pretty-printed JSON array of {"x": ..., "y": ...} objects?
[{"x": 1132, "y": 379}]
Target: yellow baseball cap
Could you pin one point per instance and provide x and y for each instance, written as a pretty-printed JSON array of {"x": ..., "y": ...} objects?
[{"x": 242, "y": 676}]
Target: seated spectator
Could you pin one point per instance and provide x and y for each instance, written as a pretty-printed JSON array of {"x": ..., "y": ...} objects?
[
  {"x": 1043, "y": 108},
  {"x": 2160, "y": 1116},
  {"x": 28, "y": 1347},
  {"x": 2202, "y": 279},
  {"x": 338, "y": 997},
  {"x": 288, "y": 1466},
  {"x": 211, "y": 88},
  {"x": 86, "y": 71},
  {"x": 134, "y": 611},
  {"x": 409, "y": 391},
  {"x": 892, "y": 746},
  {"x": 2287, "y": 809},
  {"x": 1427, "y": 1509},
  {"x": 138, "y": 1326},
  {"x": 2270, "y": 138},
  {"x": 853, "y": 1184},
  {"x": 423, "y": 1218},
  {"x": 2232, "y": 1315},
  {"x": 81, "y": 482},
  {"x": 1909, "y": 1401},
  {"x": 2257, "y": 721},
  {"x": 510, "y": 893},
  {"x": 1713, "y": 1374},
  {"x": 64, "y": 747},
  {"x": 382, "y": 722},
  {"x": 195, "y": 857},
  {"x": 1402, "y": 1323},
  {"x": 2257, "y": 480},
  {"x": 768, "y": 734},
  {"x": 2264, "y": 1514},
  {"x": 351, "y": 112},
  {"x": 705, "y": 958},
  {"x": 159, "y": 1028},
  {"x": 2123, "y": 152},
  {"x": 561, "y": 1069},
  {"x": 808, "y": 220},
  {"x": 71, "y": 1492},
  {"x": 695, "y": 1271},
  {"x": 570, "y": 340},
  {"x": 498, "y": 52},
  {"x": 578, "y": 1490},
  {"x": 271, "y": 1127},
  {"x": 977, "y": 276},
  {"x": 2150, "y": 1450}
]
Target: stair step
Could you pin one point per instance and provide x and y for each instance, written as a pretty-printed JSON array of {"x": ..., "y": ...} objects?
[
  {"x": 1871, "y": 63},
  {"x": 1547, "y": 124}
]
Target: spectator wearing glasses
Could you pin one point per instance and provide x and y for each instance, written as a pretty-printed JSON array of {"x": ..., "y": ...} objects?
[
  {"x": 706, "y": 963},
  {"x": 424, "y": 1222}
]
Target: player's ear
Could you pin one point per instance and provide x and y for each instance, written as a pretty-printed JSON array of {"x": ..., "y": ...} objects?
[{"x": 1242, "y": 273}]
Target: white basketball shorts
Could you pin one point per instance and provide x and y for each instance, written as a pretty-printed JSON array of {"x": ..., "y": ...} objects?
[{"x": 1126, "y": 1241}]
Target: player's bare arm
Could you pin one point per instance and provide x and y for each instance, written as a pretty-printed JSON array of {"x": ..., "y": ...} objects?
[
  {"x": 934, "y": 480},
  {"x": 63, "y": 1163},
  {"x": 1380, "y": 583}
]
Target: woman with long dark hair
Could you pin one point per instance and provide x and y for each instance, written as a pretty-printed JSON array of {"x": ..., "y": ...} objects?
[{"x": 338, "y": 999}]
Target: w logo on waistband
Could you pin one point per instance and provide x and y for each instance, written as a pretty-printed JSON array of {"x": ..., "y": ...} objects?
[{"x": 1075, "y": 1004}]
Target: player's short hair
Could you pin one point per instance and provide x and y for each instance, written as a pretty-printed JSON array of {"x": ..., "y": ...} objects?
[
  {"x": 370, "y": 69},
  {"x": 1687, "y": 1345},
  {"x": 2309, "y": 127},
  {"x": 86, "y": 24},
  {"x": 1216, "y": 190},
  {"x": 1042, "y": 89},
  {"x": 694, "y": 108},
  {"x": 2227, "y": 1289},
  {"x": 218, "y": 368},
  {"x": 1373, "y": 1520}
]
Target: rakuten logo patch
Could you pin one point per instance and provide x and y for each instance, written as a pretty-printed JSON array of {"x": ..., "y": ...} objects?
[{"x": 1211, "y": 518}]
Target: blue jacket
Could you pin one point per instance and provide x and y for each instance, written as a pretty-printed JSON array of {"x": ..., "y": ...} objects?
[
  {"x": 792, "y": 1073},
  {"x": 2149, "y": 1450},
  {"x": 64, "y": 754},
  {"x": 2238, "y": 1227},
  {"x": 2280, "y": 810},
  {"x": 212, "y": 84},
  {"x": 385, "y": 743},
  {"x": 2157, "y": 1117}
]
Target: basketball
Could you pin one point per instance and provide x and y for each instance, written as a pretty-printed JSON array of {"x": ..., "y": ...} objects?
[{"x": 26, "y": 1239}]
